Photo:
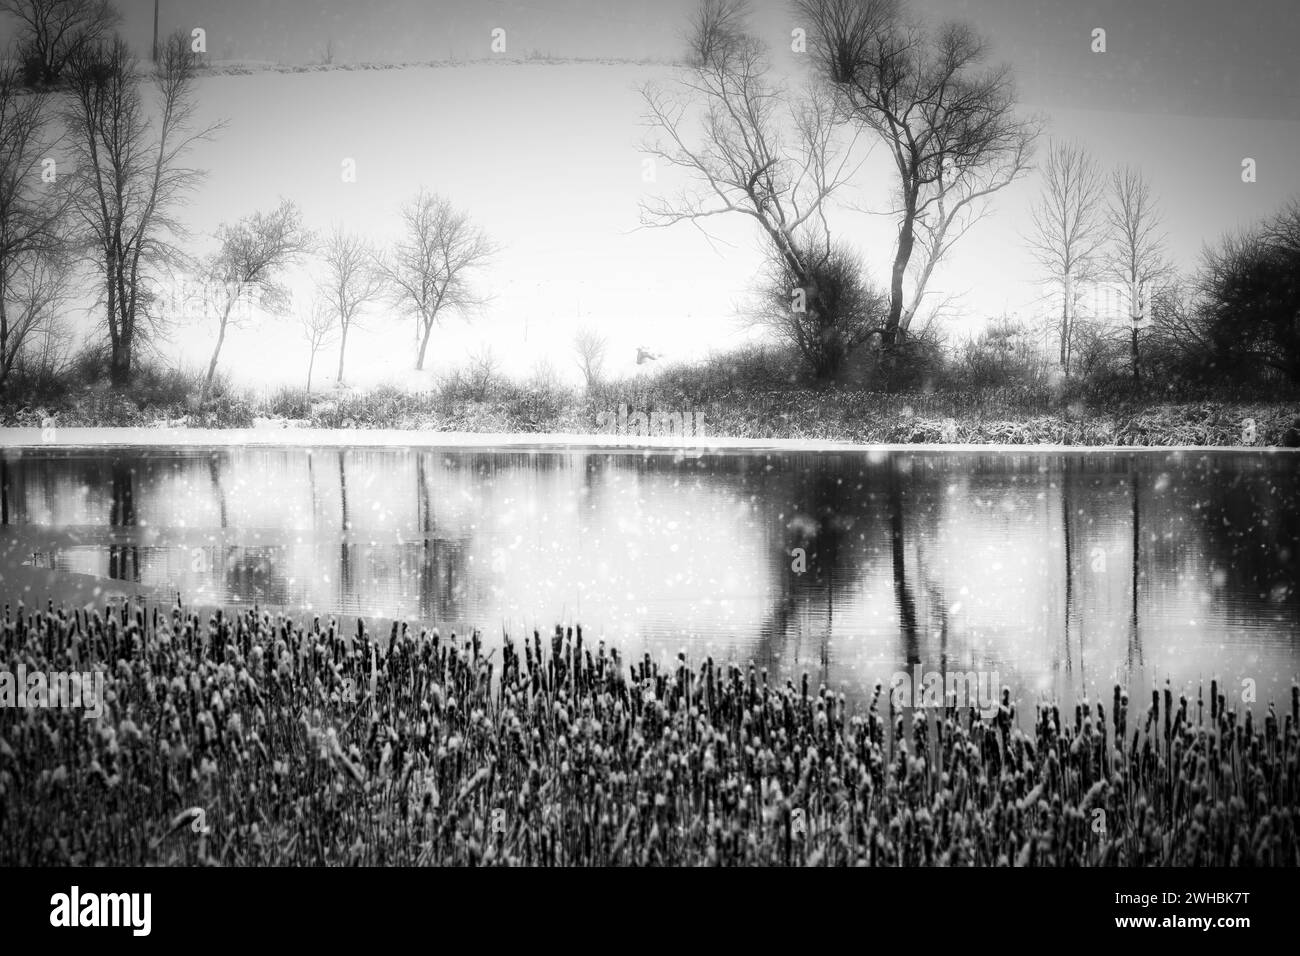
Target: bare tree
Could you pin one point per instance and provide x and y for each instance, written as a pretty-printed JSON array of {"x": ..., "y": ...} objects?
[
  {"x": 50, "y": 350},
  {"x": 1247, "y": 300},
  {"x": 484, "y": 369},
  {"x": 130, "y": 176},
  {"x": 428, "y": 272},
  {"x": 543, "y": 376},
  {"x": 33, "y": 220},
  {"x": 319, "y": 326},
  {"x": 716, "y": 26},
  {"x": 590, "y": 347},
  {"x": 36, "y": 291},
  {"x": 253, "y": 252},
  {"x": 950, "y": 125},
  {"x": 849, "y": 310},
  {"x": 351, "y": 281},
  {"x": 962, "y": 196},
  {"x": 755, "y": 157},
  {"x": 1137, "y": 253},
  {"x": 54, "y": 31},
  {"x": 1069, "y": 229}
]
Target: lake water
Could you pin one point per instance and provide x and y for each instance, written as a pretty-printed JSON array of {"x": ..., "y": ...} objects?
[{"x": 1059, "y": 572}]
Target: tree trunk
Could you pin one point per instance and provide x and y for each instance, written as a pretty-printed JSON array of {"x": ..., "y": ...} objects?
[
  {"x": 343, "y": 348},
  {"x": 424, "y": 344},
  {"x": 1065, "y": 325},
  {"x": 1137, "y": 375},
  {"x": 918, "y": 294},
  {"x": 119, "y": 356},
  {"x": 126, "y": 309},
  {"x": 310, "y": 365},
  {"x": 906, "y": 239},
  {"x": 1065, "y": 330},
  {"x": 212, "y": 366},
  {"x": 5, "y": 359},
  {"x": 119, "y": 368}
]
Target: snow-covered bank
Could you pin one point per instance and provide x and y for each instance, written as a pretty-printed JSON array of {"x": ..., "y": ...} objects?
[{"x": 270, "y": 435}]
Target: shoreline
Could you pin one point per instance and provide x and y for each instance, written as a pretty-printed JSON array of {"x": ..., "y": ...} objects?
[{"x": 272, "y": 436}]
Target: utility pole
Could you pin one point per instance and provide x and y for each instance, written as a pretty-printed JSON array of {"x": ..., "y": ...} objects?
[{"x": 155, "y": 31}]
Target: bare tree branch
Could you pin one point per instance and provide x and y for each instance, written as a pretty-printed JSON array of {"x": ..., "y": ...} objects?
[
  {"x": 319, "y": 326},
  {"x": 428, "y": 271},
  {"x": 748, "y": 148},
  {"x": 351, "y": 281},
  {"x": 949, "y": 124},
  {"x": 1069, "y": 229},
  {"x": 590, "y": 346},
  {"x": 1136, "y": 257},
  {"x": 253, "y": 251},
  {"x": 33, "y": 222},
  {"x": 130, "y": 177},
  {"x": 716, "y": 26},
  {"x": 54, "y": 31}
]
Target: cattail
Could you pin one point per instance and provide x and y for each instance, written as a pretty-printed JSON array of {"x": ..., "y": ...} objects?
[{"x": 591, "y": 775}]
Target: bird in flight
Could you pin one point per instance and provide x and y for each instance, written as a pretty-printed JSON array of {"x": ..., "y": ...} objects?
[{"x": 643, "y": 355}]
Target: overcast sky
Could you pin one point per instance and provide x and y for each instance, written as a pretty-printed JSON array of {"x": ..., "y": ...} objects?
[{"x": 545, "y": 157}]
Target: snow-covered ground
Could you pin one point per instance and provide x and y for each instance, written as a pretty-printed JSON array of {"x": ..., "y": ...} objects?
[{"x": 282, "y": 433}]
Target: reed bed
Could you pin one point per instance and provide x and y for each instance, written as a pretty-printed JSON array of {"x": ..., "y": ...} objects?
[{"x": 303, "y": 745}]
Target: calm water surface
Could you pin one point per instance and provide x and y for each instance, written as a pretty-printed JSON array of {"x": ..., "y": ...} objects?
[{"x": 1060, "y": 572}]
